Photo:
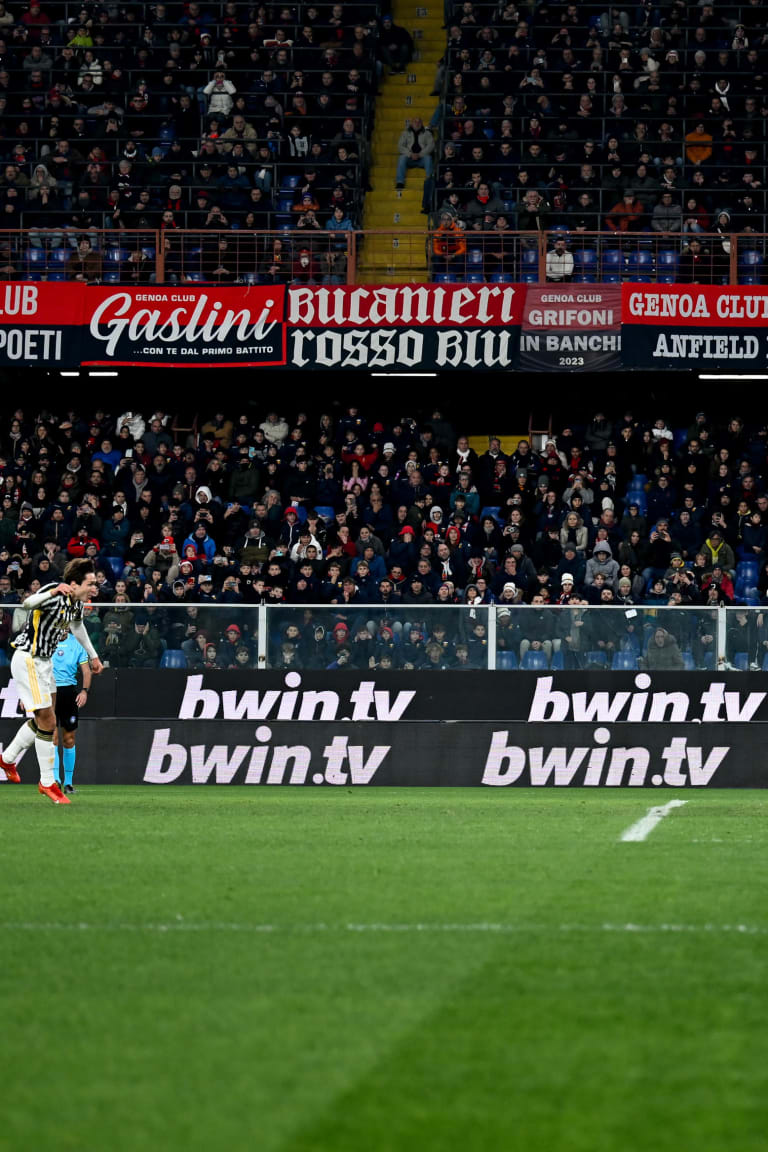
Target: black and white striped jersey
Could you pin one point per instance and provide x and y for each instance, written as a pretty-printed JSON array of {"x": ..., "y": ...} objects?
[{"x": 47, "y": 626}]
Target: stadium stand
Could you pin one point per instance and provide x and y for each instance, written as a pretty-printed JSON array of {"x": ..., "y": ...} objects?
[
  {"x": 363, "y": 517},
  {"x": 646, "y": 121}
]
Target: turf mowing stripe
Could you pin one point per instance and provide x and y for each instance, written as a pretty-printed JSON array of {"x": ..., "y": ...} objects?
[
  {"x": 313, "y": 929},
  {"x": 641, "y": 829}
]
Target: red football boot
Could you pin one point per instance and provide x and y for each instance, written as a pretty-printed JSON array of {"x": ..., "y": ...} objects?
[
  {"x": 11, "y": 771},
  {"x": 54, "y": 793}
]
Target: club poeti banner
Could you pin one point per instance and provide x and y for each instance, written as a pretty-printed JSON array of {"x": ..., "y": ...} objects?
[{"x": 415, "y": 327}]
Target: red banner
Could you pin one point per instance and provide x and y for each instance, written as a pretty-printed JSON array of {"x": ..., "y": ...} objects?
[{"x": 571, "y": 326}]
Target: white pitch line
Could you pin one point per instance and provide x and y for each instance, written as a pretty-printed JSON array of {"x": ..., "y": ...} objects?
[
  {"x": 416, "y": 928},
  {"x": 641, "y": 829}
]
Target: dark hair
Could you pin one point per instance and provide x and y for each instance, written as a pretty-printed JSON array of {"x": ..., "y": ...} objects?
[{"x": 77, "y": 570}]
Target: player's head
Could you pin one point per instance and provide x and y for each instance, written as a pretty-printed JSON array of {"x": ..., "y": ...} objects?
[{"x": 80, "y": 576}]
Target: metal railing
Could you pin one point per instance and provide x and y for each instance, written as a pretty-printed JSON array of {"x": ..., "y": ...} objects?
[
  {"x": 421, "y": 637},
  {"x": 315, "y": 255}
]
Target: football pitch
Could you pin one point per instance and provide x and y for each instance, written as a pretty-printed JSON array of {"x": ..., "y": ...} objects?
[{"x": 383, "y": 970}]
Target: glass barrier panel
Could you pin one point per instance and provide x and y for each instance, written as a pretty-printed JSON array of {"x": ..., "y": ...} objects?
[
  {"x": 376, "y": 636},
  {"x": 150, "y": 635},
  {"x": 587, "y": 638}
]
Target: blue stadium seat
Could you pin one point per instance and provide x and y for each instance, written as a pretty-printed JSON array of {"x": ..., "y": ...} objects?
[
  {"x": 501, "y": 278},
  {"x": 4, "y": 661},
  {"x": 640, "y": 261},
  {"x": 444, "y": 278},
  {"x": 112, "y": 277},
  {"x": 638, "y": 482},
  {"x": 59, "y": 256},
  {"x": 611, "y": 278},
  {"x": 765, "y": 662},
  {"x": 475, "y": 256},
  {"x": 640, "y": 279},
  {"x": 173, "y": 658},
  {"x": 747, "y": 571},
  {"x": 582, "y": 278},
  {"x": 557, "y": 663},
  {"x": 624, "y": 662},
  {"x": 688, "y": 662},
  {"x": 116, "y": 565},
  {"x": 507, "y": 661},
  {"x": 750, "y": 259},
  {"x": 475, "y": 278},
  {"x": 530, "y": 256},
  {"x": 116, "y": 255},
  {"x": 585, "y": 259},
  {"x": 740, "y": 661},
  {"x": 285, "y": 203},
  {"x": 325, "y": 512},
  {"x": 36, "y": 257},
  {"x": 597, "y": 657},
  {"x": 613, "y": 258},
  {"x": 534, "y": 661},
  {"x": 666, "y": 278},
  {"x": 491, "y": 510},
  {"x": 289, "y": 183},
  {"x": 529, "y": 278},
  {"x": 55, "y": 275}
]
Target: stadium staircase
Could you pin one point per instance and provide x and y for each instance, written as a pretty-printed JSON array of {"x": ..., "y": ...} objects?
[{"x": 387, "y": 259}]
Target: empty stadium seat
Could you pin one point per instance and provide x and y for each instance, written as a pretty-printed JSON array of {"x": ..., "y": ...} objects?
[
  {"x": 475, "y": 278},
  {"x": 534, "y": 661},
  {"x": 325, "y": 512},
  {"x": 173, "y": 658},
  {"x": 585, "y": 258},
  {"x": 507, "y": 661},
  {"x": 491, "y": 510},
  {"x": 475, "y": 256},
  {"x": 444, "y": 278},
  {"x": 597, "y": 657},
  {"x": 624, "y": 662}
]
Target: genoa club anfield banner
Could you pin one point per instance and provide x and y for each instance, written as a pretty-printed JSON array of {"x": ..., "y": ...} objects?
[
  {"x": 414, "y": 326},
  {"x": 571, "y": 327},
  {"x": 692, "y": 326}
]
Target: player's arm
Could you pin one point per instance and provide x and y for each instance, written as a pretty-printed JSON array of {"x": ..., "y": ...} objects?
[
  {"x": 37, "y": 599},
  {"x": 78, "y": 630},
  {"x": 82, "y": 696}
]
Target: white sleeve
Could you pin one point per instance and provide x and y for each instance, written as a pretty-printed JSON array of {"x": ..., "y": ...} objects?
[
  {"x": 78, "y": 630},
  {"x": 38, "y": 598}
]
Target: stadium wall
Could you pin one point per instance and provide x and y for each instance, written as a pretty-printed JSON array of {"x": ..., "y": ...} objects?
[
  {"x": 418, "y": 729},
  {"x": 486, "y": 327}
]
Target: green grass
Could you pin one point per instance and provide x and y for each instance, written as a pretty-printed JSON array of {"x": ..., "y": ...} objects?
[{"x": 168, "y": 1021}]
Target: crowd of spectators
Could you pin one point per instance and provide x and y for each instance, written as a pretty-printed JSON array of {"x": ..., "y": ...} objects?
[
  {"x": 641, "y": 118},
  {"x": 348, "y": 518},
  {"x": 195, "y": 115}
]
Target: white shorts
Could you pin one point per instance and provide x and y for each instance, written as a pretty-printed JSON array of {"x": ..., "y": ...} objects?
[{"x": 34, "y": 680}]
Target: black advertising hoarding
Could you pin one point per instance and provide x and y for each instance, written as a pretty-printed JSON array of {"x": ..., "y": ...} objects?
[
  {"x": 414, "y": 754},
  {"x": 406, "y": 326},
  {"x": 723, "y": 329},
  {"x": 572, "y": 328},
  {"x": 177, "y": 327},
  {"x": 428, "y": 729}
]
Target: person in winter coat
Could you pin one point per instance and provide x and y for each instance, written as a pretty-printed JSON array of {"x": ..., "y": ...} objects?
[
  {"x": 663, "y": 654},
  {"x": 718, "y": 552},
  {"x": 275, "y": 429},
  {"x": 219, "y": 92},
  {"x": 602, "y": 561},
  {"x": 415, "y": 147},
  {"x": 667, "y": 216}
]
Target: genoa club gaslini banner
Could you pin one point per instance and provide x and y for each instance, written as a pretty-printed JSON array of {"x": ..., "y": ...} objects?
[{"x": 414, "y": 327}]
